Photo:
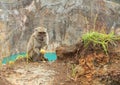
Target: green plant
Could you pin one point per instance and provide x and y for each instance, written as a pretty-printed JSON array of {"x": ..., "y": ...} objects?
[
  {"x": 73, "y": 70},
  {"x": 101, "y": 39}
]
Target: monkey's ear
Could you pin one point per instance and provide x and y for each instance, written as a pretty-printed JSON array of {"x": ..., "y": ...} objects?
[{"x": 35, "y": 29}]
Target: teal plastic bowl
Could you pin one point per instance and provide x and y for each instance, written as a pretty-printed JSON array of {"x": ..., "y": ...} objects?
[
  {"x": 12, "y": 57},
  {"x": 51, "y": 56}
]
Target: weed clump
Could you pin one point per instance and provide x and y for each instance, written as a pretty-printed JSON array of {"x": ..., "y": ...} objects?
[{"x": 99, "y": 40}]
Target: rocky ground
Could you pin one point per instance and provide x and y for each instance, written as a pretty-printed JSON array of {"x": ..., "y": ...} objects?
[{"x": 29, "y": 74}]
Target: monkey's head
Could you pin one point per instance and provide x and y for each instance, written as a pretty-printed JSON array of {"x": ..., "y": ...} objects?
[{"x": 40, "y": 33}]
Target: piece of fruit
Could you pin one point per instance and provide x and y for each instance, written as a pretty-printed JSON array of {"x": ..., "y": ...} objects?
[
  {"x": 11, "y": 62},
  {"x": 42, "y": 51}
]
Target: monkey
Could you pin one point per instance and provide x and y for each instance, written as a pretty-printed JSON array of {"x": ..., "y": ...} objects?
[{"x": 39, "y": 39}]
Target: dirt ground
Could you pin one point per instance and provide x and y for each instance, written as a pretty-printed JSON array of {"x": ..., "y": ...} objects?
[
  {"x": 44, "y": 73},
  {"x": 3, "y": 81}
]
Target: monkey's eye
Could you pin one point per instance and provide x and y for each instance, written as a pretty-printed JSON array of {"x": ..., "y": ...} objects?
[{"x": 42, "y": 32}]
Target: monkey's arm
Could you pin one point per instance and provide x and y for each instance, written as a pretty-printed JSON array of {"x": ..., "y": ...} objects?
[
  {"x": 37, "y": 47},
  {"x": 45, "y": 47},
  {"x": 47, "y": 42},
  {"x": 37, "y": 50}
]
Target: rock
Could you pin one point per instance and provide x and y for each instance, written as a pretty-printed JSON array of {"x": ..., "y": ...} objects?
[
  {"x": 64, "y": 52},
  {"x": 12, "y": 4},
  {"x": 68, "y": 51}
]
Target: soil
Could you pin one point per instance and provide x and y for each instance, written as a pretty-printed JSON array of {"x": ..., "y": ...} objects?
[
  {"x": 50, "y": 73},
  {"x": 44, "y": 73}
]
